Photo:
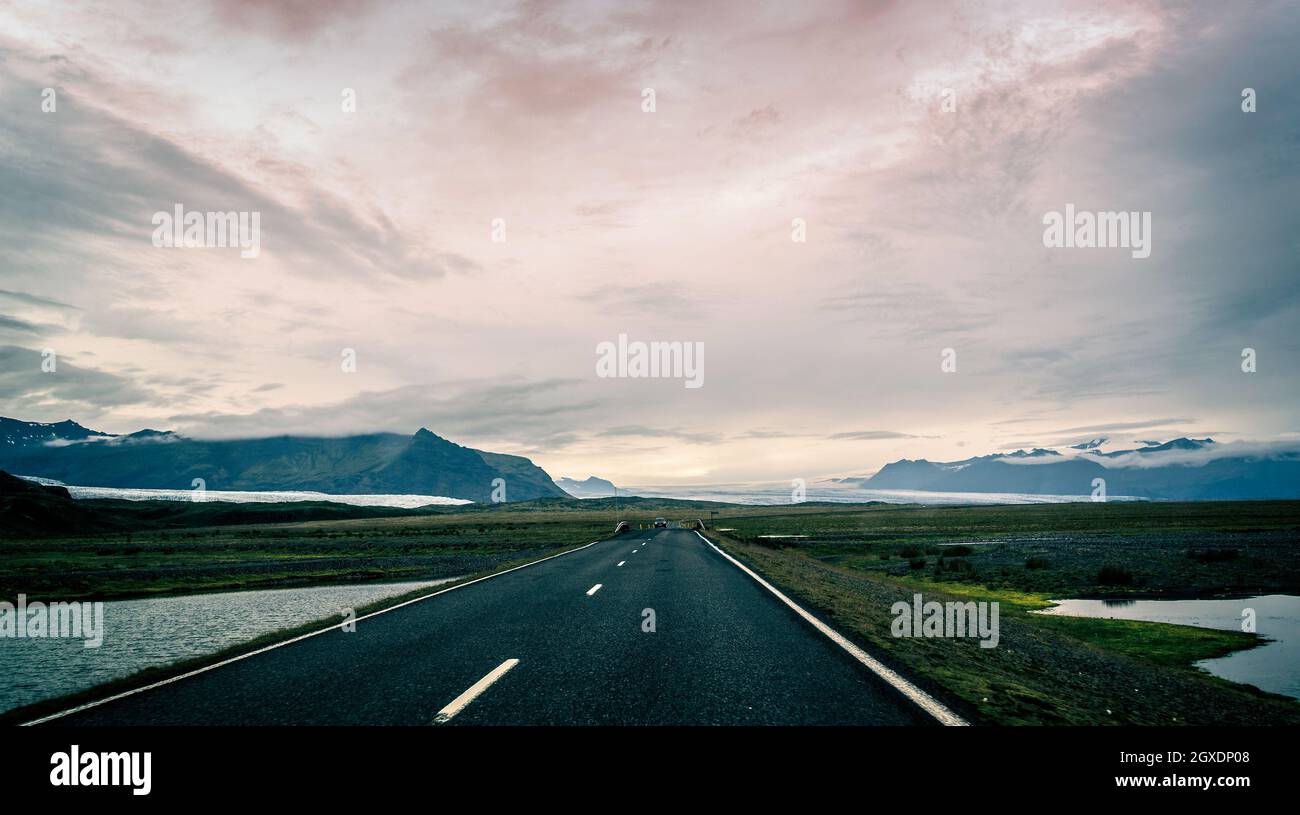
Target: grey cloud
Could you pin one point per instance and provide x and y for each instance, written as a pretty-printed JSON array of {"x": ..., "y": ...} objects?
[
  {"x": 756, "y": 123},
  {"x": 769, "y": 434},
  {"x": 156, "y": 324},
  {"x": 870, "y": 435},
  {"x": 70, "y": 391},
  {"x": 537, "y": 64},
  {"x": 649, "y": 298},
  {"x": 661, "y": 433},
  {"x": 84, "y": 171},
  {"x": 924, "y": 227},
  {"x": 1117, "y": 427},
  {"x": 515, "y": 411},
  {"x": 915, "y": 311},
  {"x": 33, "y": 300},
  {"x": 16, "y": 325},
  {"x": 289, "y": 19},
  {"x": 1192, "y": 458},
  {"x": 600, "y": 208}
]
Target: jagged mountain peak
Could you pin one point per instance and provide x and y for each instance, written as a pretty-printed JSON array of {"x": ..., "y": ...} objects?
[
  {"x": 1092, "y": 444},
  {"x": 15, "y": 433},
  {"x": 1168, "y": 471}
]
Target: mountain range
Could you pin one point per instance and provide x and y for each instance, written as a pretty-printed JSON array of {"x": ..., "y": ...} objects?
[
  {"x": 1179, "y": 470},
  {"x": 1183, "y": 469},
  {"x": 591, "y": 487},
  {"x": 376, "y": 463}
]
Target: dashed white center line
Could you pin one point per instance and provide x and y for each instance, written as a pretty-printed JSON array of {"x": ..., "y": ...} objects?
[
  {"x": 634, "y": 551},
  {"x": 459, "y": 703},
  {"x": 594, "y": 589},
  {"x": 621, "y": 562}
]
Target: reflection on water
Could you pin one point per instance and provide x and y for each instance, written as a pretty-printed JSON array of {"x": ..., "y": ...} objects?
[
  {"x": 158, "y": 631},
  {"x": 1273, "y": 666}
]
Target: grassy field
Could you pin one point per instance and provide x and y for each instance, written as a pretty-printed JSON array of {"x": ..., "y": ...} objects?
[
  {"x": 852, "y": 564},
  {"x": 151, "y": 561},
  {"x": 848, "y": 562},
  {"x": 1085, "y": 549}
]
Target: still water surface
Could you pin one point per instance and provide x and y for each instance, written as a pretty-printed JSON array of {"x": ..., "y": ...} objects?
[
  {"x": 157, "y": 631},
  {"x": 1273, "y": 666}
]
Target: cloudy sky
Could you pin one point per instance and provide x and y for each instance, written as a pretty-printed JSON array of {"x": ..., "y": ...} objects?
[{"x": 920, "y": 143}]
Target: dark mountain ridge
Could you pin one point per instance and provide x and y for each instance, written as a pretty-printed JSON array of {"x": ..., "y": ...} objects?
[
  {"x": 1151, "y": 473},
  {"x": 423, "y": 463}
]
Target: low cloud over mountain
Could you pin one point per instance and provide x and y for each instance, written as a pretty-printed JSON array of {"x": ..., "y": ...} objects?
[{"x": 1182, "y": 469}]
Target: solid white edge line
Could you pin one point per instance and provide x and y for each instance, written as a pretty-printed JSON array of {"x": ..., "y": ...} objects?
[
  {"x": 473, "y": 691},
  {"x": 594, "y": 589},
  {"x": 922, "y": 699},
  {"x": 299, "y": 638}
]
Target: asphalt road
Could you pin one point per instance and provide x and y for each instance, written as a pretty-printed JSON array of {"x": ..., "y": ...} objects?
[{"x": 724, "y": 651}]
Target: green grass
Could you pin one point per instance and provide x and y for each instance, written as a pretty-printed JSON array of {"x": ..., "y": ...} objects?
[
  {"x": 1046, "y": 670},
  {"x": 401, "y": 545},
  {"x": 1084, "y": 549},
  {"x": 117, "y": 566},
  {"x": 1176, "y": 646},
  {"x": 913, "y": 524}
]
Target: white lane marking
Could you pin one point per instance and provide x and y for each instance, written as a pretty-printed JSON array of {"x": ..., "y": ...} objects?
[
  {"x": 922, "y": 699},
  {"x": 594, "y": 589},
  {"x": 458, "y": 704},
  {"x": 298, "y": 638},
  {"x": 621, "y": 562}
]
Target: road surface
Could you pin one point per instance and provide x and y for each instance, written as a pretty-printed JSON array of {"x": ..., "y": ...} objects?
[{"x": 543, "y": 645}]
